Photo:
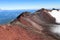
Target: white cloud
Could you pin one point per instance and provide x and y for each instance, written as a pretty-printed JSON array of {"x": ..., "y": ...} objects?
[{"x": 56, "y": 14}]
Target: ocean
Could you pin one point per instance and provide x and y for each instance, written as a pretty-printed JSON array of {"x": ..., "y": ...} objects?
[{"x": 6, "y": 16}]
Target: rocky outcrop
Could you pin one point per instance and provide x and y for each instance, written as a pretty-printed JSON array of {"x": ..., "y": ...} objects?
[
  {"x": 45, "y": 16},
  {"x": 28, "y": 26},
  {"x": 40, "y": 18}
]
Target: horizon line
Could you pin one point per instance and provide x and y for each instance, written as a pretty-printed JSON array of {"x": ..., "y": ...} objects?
[{"x": 27, "y": 9}]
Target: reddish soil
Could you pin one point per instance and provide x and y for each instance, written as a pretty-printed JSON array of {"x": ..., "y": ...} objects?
[{"x": 16, "y": 32}]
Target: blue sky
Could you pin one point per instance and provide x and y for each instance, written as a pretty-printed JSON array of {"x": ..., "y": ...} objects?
[{"x": 28, "y": 4}]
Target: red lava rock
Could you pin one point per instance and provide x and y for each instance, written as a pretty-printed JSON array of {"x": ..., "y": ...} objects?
[
  {"x": 16, "y": 32},
  {"x": 25, "y": 22},
  {"x": 28, "y": 26}
]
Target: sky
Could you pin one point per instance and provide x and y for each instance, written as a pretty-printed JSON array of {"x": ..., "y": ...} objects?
[{"x": 28, "y": 4}]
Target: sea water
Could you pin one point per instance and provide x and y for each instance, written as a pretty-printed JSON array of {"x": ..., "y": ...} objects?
[{"x": 6, "y": 16}]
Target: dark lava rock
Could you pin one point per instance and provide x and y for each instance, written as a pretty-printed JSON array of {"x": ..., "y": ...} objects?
[
  {"x": 46, "y": 17},
  {"x": 28, "y": 26}
]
